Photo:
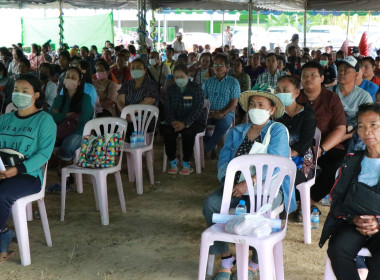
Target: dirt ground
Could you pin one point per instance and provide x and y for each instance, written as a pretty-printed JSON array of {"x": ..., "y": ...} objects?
[{"x": 158, "y": 237}]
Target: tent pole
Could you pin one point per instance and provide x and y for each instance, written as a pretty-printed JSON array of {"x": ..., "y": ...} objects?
[
  {"x": 165, "y": 29},
  {"x": 223, "y": 30},
  {"x": 348, "y": 24},
  {"x": 249, "y": 27},
  {"x": 369, "y": 21},
  {"x": 304, "y": 25},
  {"x": 258, "y": 26},
  {"x": 159, "y": 31},
  {"x": 212, "y": 23}
]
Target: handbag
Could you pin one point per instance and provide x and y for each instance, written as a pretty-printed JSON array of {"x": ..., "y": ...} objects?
[
  {"x": 99, "y": 151},
  {"x": 362, "y": 199},
  {"x": 67, "y": 126},
  {"x": 11, "y": 157}
]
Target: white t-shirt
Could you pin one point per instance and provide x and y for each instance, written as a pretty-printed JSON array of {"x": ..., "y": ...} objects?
[
  {"x": 178, "y": 47},
  {"x": 50, "y": 92}
]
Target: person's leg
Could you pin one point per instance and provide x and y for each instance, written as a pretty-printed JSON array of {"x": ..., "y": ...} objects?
[
  {"x": 373, "y": 262},
  {"x": 329, "y": 163},
  {"x": 188, "y": 139},
  {"x": 170, "y": 139},
  {"x": 10, "y": 190},
  {"x": 343, "y": 248},
  {"x": 221, "y": 127},
  {"x": 69, "y": 145}
]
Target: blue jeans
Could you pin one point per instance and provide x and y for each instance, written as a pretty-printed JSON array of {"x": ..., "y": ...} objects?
[
  {"x": 12, "y": 189},
  {"x": 221, "y": 127},
  {"x": 69, "y": 145},
  {"x": 213, "y": 204}
]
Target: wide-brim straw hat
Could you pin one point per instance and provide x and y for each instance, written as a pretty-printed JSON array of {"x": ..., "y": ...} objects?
[{"x": 245, "y": 97}]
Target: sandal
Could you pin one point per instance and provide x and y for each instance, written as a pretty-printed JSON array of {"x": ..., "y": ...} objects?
[
  {"x": 252, "y": 274},
  {"x": 223, "y": 274},
  {"x": 173, "y": 170},
  {"x": 6, "y": 255},
  {"x": 186, "y": 171}
]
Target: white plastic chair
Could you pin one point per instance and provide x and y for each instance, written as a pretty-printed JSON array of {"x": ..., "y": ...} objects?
[
  {"x": 141, "y": 116},
  {"x": 329, "y": 273},
  {"x": 304, "y": 189},
  {"x": 10, "y": 108},
  {"x": 20, "y": 220},
  {"x": 198, "y": 150},
  {"x": 99, "y": 175},
  {"x": 269, "y": 248}
]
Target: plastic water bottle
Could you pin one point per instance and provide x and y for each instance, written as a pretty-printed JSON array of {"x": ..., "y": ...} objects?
[
  {"x": 315, "y": 219},
  {"x": 326, "y": 200},
  {"x": 241, "y": 208},
  {"x": 133, "y": 141},
  {"x": 140, "y": 139}
]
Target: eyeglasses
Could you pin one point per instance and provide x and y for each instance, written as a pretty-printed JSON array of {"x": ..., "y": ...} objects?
[{"x": 218, "y": 65}]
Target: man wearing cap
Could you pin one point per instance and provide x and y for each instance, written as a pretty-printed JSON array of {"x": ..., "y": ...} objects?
[
  {"x": 331, "y": 122},
  {"x": 364, "y": 84},
  {"x": 294, "y": 42},
  {"x": 223, "y": 92},
  {"x": 350, "y": 95},
  {"x": 178, "y": 46},
  {"x": 271, "y": 76}
]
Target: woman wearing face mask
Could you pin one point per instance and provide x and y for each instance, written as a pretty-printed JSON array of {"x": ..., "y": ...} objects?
[
  {"x": 73, "y": 103},
  {"x": 247, "y": 139},
  {"x": 6, "y": 88},
  {"x": 329, "y": 72},
  {"x": 140, "y": 90},
  {"x": 106, "y": 89},
  {"x": 301, "y": 123},
  {"x": 31, "y": 132},
  {"x": 184, "y": 113}
]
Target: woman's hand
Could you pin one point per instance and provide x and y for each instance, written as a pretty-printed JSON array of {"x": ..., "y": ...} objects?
[
  {"x": 10, "y": 172},
  {"x": 366, "y": 224},
  {"x": 239, "y": 189}
]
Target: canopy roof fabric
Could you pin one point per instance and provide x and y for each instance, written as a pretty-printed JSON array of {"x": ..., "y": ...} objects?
[{"x": 275, "y": 5}]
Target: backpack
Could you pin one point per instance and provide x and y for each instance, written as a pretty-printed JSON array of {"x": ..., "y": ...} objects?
[{"x": 99, "y": 151}]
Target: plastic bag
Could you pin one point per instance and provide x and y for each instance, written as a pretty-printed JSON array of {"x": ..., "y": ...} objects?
[{"x": 251, "y": 224}]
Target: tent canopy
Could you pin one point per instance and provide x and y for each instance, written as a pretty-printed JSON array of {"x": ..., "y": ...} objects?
[{"x": 279, "y": 5}]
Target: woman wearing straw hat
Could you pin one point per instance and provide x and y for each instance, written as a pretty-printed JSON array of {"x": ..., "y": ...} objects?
[{"x": 243, "y": 139}]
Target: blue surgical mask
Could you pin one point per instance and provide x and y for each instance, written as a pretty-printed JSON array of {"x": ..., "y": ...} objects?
[
  {"x": 286, "y": 98},
  {"x": 137, "y": 74},
  {"x": 323, "y": 62},
  {"x": 21, "y": 100},
  {"x": 339, "y": 59},
  {"x": 181, "y": 82}
]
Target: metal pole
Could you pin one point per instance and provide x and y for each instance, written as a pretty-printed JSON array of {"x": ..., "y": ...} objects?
[
  {"x": 249, "y": 27},
  {"x": 212, "y": 23},
  {"x": 369, "y": 21},
  {"x": 165, "y": 29},
  {"x": 304, "y": 25},
  {"x": 159, "y": 30},
  {"x": 223, "y": 30},
  {"x": 348, "y": 24},
  {"x": 258, "y": 25}
]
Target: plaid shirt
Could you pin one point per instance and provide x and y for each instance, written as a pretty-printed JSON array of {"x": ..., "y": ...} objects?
[
  {"x": 136, "y": 96},
  {"x": 267, "y": 78},
  {"x": 220, "y": 93},
  {"x": 186, "y": 106}
]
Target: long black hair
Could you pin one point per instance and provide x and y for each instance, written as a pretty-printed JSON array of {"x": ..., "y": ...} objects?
[{"x": 76, "y": 100}]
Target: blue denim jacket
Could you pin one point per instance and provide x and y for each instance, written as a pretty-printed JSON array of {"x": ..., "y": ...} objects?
[{"x": 278, "y": 145}]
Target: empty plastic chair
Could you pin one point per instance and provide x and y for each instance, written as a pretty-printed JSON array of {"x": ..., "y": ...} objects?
[
  {"x": 304, "y": 189},
  {"x": 21, "y": 224},
  {"x": 269, "y": 248},
  {"x": 141, "y": 116},
  {"x": 99, "y": 175}
]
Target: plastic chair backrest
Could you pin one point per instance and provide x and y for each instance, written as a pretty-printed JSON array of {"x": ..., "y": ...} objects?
[
  {"x": 100, "y": 126},
  {"x": 284, "y": 166},
  {"x": 317, "y": 142},
  {"x": 145, "y": 114},
  {"x": 10, "y": 108}
]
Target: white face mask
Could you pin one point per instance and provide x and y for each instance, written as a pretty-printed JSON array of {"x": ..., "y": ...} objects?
[
  {"x": 152, "y": 61},
  {"x": 258, "y": 116},
  {"x": 21, "y": 100}
]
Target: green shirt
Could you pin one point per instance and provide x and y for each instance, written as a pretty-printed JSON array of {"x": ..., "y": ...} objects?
[
  {"x": 33, "y": 136},
  {"x": 86, "y": 113}
]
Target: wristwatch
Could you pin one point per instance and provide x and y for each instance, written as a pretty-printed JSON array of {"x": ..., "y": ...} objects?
[{"x": 323, "y": 152}]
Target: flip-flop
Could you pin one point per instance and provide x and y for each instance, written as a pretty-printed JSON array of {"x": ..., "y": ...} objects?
[
  {"x": 223, "y": 274},
  {"x": 6, "y": 255}
]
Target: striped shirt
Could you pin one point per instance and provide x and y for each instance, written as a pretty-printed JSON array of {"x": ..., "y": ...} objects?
[
  {"x": 267, "y": 78},
  {"x": 136, "y": 96}
]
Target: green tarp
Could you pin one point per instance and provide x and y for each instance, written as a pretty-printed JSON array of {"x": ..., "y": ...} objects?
[{"x": 81, "y": 31}]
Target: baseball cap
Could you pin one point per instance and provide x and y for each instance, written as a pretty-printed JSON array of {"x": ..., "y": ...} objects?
[
  {"x": 178, "y": 34},
  {"x": 351, "y": 62}
]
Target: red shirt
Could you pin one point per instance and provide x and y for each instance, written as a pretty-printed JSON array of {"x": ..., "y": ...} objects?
[
  {"x": 376, "y": 80},
  {"x": 328, "y": 111},
  {"x": 122, "y": 75}
]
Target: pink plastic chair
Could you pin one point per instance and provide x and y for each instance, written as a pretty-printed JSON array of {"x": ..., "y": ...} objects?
[
  {"x": 141, "y": 115},
  {"x": 304, "y": 189},
  {"x": 198, "y": 150},
  {"x": 329, "y": 273},
  {"x": 99, "y": 175},
  {"x": 269, "y": 248},
  {"x": 20, "y": 220}
]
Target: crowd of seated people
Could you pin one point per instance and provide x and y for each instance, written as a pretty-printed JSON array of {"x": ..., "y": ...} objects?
[{"x": 246, "y": 92}]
